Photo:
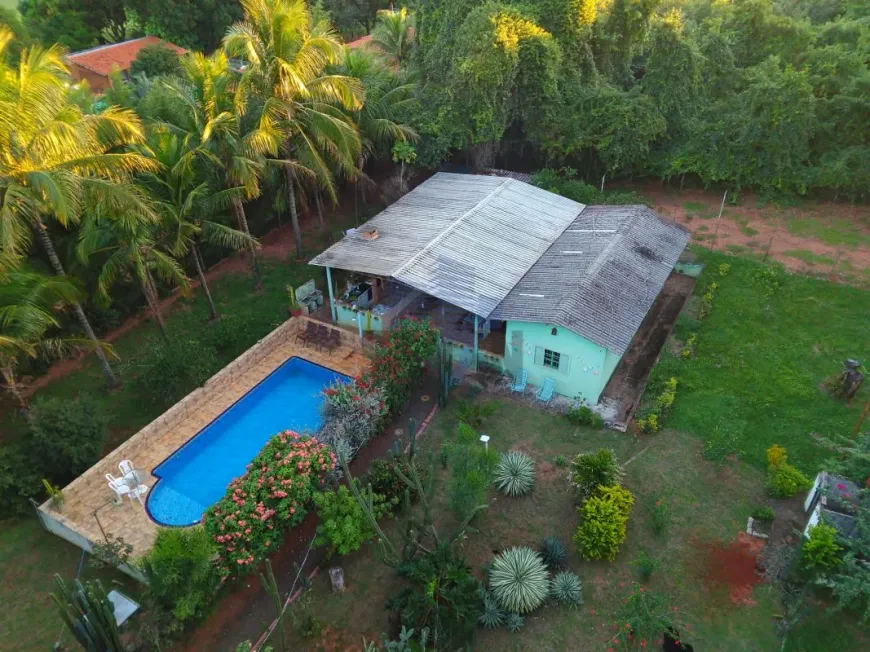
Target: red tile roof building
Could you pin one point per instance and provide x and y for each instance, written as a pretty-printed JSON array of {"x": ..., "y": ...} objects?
[{"x": 94, "y": 65}]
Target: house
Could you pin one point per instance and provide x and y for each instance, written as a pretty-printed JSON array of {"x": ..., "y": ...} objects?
[
  {"x": 95, "y": 64},
  {"x": 833, "y": 500},
  {"x": 514, "y": 276}
]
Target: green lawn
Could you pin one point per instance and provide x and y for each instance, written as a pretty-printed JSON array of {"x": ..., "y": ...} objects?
[
  {"x": 837, "y": 232},
  {"x": 706, "y": 503},
  {"x": 761, "y": 360}
]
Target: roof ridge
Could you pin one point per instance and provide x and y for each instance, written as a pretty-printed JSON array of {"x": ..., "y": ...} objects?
[
  {"x": 496, "y": 191},
  {"x": 106, "y": 46}
]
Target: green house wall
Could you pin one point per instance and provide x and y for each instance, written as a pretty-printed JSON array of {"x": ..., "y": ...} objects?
[{"x": 587, "y": 371}]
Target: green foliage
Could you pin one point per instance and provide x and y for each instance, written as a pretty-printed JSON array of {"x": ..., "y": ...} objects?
[
  {"x": 73, "y": 24},
  {"x": 167, "y": 371},
  {"x": 69, "y": 435},
  {"x": 646, "y": 564},
  {"x": 86, "y": 611},
  {"x": 785, "y": 481},
  {"x": 383, "y": 477},
  {"x": 563, "y": 182},
  {"x": 472, "y": 469},
  {"x": 181, "y": 576},
  {"x": 560, "y": 460},
  {"x": 515, "y": 475},
  {"x": 655, "y": 410},
  {"x": 660, "y": 516},
  {"x": 343, "y": 525},
  {"x": 194, "y": 24},
  {"x": 602, "y": 523},
  {"x": 444, "y": 597},
  {"x": 552, "y": 552},
  {"x": 514, "y": 622},
  {"x": 593, "y": 469},
  {"x": 229, "y": 336},
  {"x": 110, "y": 553},
  {"x": 644, "y": 616},
  {"x": 764, "y": 514},
  {"x": 567, "y": 589},
  {"x": 156, "y": 60},
  {"x": 492, "y": 616},
  {"x": 19, "y": 480},
  {"x": 519, "y": 580},
  {"x": 820, "y": 550},
  {"x": 474, "y": 413}
]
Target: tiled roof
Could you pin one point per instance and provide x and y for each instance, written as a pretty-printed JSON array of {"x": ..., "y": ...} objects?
[
  {"x": 360, "y": 42},
  {"x": 103, "y": 58}
]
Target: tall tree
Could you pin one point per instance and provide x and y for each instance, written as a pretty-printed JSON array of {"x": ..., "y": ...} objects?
[
  {"x": 194, "y": 24},
  {"x": 287, "y": 58},
  {"x": 77, "y": 24},
  {"x": 28, "y": 305},
  {"x": 56, "y": 161},
  {"x": 394, "y": 35}
]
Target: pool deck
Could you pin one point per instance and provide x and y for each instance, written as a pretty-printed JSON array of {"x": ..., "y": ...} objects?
[{"x": 88, "y": 511}]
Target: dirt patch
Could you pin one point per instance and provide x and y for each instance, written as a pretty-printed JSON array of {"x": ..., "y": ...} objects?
[
  {"x": 629, "y": 379},
  {"x": 733, "y": 566}
]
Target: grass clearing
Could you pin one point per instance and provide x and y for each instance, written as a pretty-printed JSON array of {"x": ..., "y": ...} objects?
[
  {"x": 761, "y": 359},
  {"x": 705, "y": 503},
  {"x": 809, "y": 257},
  {"x": 837, "y": 232}
]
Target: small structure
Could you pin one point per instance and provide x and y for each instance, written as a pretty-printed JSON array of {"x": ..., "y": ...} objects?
[
  {"x": 832, "y": 500},
  {"x": 95, "y": 64},
  {"x": 516, "y": 278}
]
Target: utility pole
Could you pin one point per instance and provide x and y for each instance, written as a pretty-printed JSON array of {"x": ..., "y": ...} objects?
[{"x": 718, "y": 221}]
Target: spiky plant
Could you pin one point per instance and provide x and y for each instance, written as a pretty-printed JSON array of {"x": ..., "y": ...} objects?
[
  {"x": 553, "y": 552},
  {"x": 519, "y": 580},
  {"x": 567, "y": 589},
  {"x": 515, "y": 475},
  {"x": 493, "y": 615},
  {"x": 515, "y": 622}
]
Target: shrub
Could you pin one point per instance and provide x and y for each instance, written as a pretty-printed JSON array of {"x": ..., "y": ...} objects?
[
  {"x": 229, "y": 336},
  {"x": 155, "y": 60},
  {"x": 69, "y": 435},
  {"x": 344, "y": 526},
  {"x": 167, "y": 371},
  {"x": 474, "y": 413},
  {"x": 567, "y": 589},
  {"x": 820, "y": 551},
  {"x": 602, "y": 526},
  {"x": 492, "y": 616},
  {"x": 515, "y": 475},
  {"x": 580, "y": 415},
  {"x": 353, "y": 413},
  {"x": 273, "y": 494},
  {"x": 785, "y": 481},
  {"x": 396, "y": 366},
  {"x": 181, "y": 576},
  {"x": 560, "y": 460},
  {"x": 643, "y": 617},
  {"x": 19, "y": 480},
  {"x": 764, "y": 514},
  {"x": 518, "y": 579},
  {"x": 590, "y": 470},
  {"x": 514, "y": 622},
  {"x": 471, "y": 472},
  {"x": 776, "y": 456},
  {"x": 660, "y": 516},
  {"x": 646, "y": 565},
  {"x": 724, "y": 268},
  {"x": 552, "y": 552},
  {"x": 444, "y": 597},
  {"x": 111, "y": 553},
  {"x": 384, "y": 479}
]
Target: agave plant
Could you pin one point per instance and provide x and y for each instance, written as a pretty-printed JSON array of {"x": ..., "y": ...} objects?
[
  {"x": 553, "y": 552},
  {"x": 519, "y": 580},
  {"x": 515, "y": 475},
  {"x": 515, "y": 622},
  {"x": 567, "y": 589},
  {"x": 493, "y": 615}
]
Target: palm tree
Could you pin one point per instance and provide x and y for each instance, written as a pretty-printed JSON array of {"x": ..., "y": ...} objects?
[
  {"x": 187, "y": 209},
  {"x": 28, "y": 302},
  {"x": 286, "y": 57},
  {"x": 394, "y": 35},
  {"x": 387, "y": 93},
  {"x": 132, "y": 248},
  {"x": 55, "y": 161},
  {"x": 210, "y": 122}
]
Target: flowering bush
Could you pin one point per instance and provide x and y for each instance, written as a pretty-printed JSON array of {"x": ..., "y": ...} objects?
[
  {"x": 396, "y": 366},
  {"x": 273, "y": 495},
  {"x": 353, "y": 413}
]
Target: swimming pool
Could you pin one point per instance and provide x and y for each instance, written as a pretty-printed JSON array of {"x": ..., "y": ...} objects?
[{"x": 197, "y": 474}]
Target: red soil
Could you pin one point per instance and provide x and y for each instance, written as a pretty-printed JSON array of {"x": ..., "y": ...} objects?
[{"x": 733, "y": 566}]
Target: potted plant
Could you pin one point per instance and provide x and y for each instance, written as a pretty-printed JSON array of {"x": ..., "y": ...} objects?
[{"x": 295, "y": 310}]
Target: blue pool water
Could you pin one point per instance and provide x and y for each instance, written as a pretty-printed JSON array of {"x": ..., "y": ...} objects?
[{"x": 197, "y": 474}]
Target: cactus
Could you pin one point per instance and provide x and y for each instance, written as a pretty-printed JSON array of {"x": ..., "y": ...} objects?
[
  {"x": 270, "y": 585},
  {"x": 90, "y": 617},
  {"x": 445, "y": 372}
]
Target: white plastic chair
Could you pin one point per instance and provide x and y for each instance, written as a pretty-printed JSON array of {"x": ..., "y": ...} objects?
[
  {"x": 126, "y": 466},
  {"x": 118, "y": 487},
  {"x": 137, "y": 493}
]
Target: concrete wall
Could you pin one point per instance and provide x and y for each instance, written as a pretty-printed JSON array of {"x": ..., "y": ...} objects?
[{"x": 585, "y": 367}]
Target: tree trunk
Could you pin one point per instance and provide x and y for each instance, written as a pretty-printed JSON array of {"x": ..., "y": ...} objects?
[
  {"x": 212, "y": 310},
  {"x": 319, "y": 203},
  {"x": 291, "y": 200},
  {"x": 12, "y": 387},
  {"x": 47, "y": 244},
  {"x": 239, "y": 211},
  {"x": 153, "y": 300}
]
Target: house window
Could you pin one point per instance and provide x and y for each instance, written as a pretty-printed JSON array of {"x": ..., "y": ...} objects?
[{"x": 551, "y": 359}]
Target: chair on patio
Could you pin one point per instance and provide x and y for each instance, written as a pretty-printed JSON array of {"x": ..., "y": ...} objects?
[
  {"x": 308, "y": 334},
  {"x": 333, "y": 340},
  {"x": 546, "y": 392},
  {"x": 118, "y": 486},
  {"x": 321, "y": 339},
  {"x": 519, "y": 384},
  {"x": 137, "y": 493},
  {"x": 126, "y": 466}
]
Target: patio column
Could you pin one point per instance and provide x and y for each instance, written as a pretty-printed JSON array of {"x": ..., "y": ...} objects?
[
  {"x": 331, "y": 297},
  {"x": 474, "y": 362}
]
